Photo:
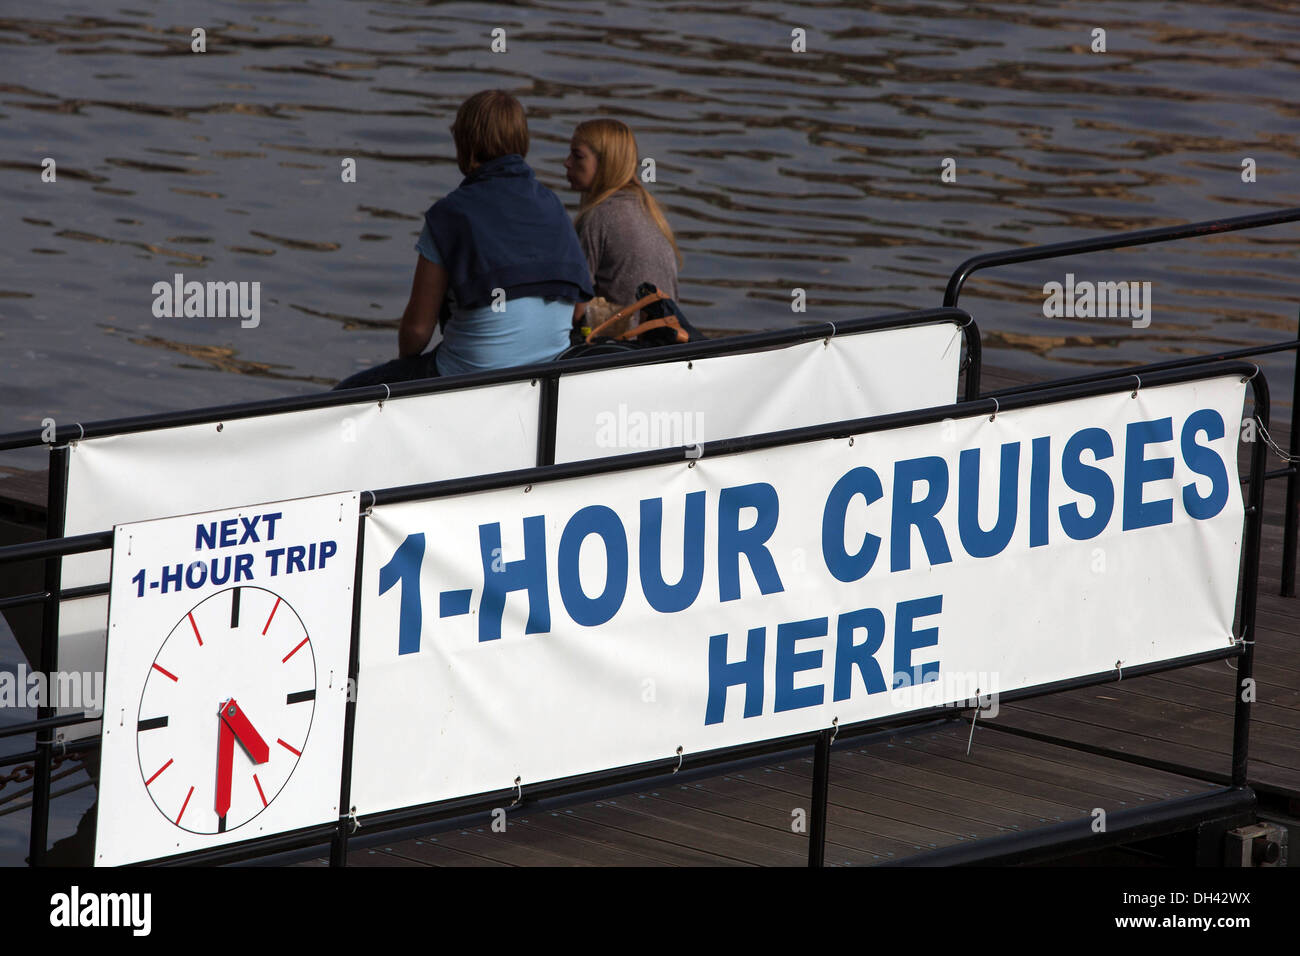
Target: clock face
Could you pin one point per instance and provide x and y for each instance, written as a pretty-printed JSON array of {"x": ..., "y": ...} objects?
[{"x": 226, "y": 710}]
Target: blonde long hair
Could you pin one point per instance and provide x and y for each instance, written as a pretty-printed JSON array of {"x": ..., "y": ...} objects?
[{"x": 616, "y": 164}]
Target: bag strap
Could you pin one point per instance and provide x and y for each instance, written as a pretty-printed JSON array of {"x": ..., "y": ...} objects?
[
  {"x": 669, "y": 322},
  {"x": 624, "y": 312}
]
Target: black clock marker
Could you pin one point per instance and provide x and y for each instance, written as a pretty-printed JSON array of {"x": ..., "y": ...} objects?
[
  {"x": 299, "y": 697},
  {"x": 153, "y": 723},
  {"x": 234, "y": 608}
]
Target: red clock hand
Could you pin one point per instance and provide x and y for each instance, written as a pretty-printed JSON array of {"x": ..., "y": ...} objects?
[
  {"x": 225, "y": 766},
  {"x": 233, "y": 716}
]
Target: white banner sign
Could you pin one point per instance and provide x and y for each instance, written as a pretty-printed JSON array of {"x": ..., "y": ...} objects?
[
  {"x": 621, "y": 410},
  {"x": 170, "y": 471},
  {"x": 566, "y": 627},
  {"x": 227, "y": 676}
]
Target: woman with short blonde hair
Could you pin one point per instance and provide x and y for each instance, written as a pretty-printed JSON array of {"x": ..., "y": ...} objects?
[{"x": 500, "y": 268}]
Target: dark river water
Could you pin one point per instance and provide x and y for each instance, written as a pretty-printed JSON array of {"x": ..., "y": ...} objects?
[{"x": 778, "y": 170}]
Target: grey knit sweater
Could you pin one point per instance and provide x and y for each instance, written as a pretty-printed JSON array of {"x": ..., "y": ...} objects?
[{"x": 624, "y": 248}]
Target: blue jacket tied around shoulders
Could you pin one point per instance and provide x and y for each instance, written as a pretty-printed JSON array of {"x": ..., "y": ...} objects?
[{"x": 502, "y": 229}]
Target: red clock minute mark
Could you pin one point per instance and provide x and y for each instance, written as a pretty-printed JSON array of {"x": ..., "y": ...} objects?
[{"x": 233, "y": 724}]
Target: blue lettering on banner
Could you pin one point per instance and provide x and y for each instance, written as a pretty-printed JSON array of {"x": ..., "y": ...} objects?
[
  {"x": 1138, "y": 470},
  {"x": 603, "y": 523},
  {"x": 847, "y": 655},
  {"x": 1040, "y": 483},
  {"x": 789, "y": 662},
  {"x": 661, "y": 596},
  {"x": 235, "y": 531},
  {"x": 748, "y": 672},
  {"x": 527, "y": 574},
  {"x": 861, "y": 657},
  {"x": 842, "y": 565},
  {"x": 752, "y": 542},
  {"x": 1204, "y": 461},
  {"x": 403, "y": 568},
  {"x": 922, "y": 515},
  {"x": 978, "y": 542},
  {"x": 907, "y": 640},
  {"x": 1089, "y": 480}
]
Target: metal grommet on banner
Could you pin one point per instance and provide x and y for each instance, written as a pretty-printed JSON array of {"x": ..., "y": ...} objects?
[
  {"x": 370, "y": 507},
  {"x": 1139, "y": 385},
  {"x": 519, "y": 792},
  {"x": 679, "y": 760},
  {"x": 388, "y": 393},
  {"x": 1251, "y": 375},
  {"x": 835, "y": 728},
  {"x": 827, "y": 341},
  {"x": 996, "y": 408},
  {"x": 850, "y": 441}
]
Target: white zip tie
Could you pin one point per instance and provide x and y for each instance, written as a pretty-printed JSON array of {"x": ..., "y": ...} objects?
[
  {"x": 679, "y": 760},
  {"x": 974, "y": 714},
  {"x": 1139, "y": 385},
  {"x": 996, "y": 408},
  {"x": 388, "y": 393},
  {"x": 519, "y": 792}
]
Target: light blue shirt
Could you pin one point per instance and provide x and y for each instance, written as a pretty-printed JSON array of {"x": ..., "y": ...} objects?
[{"x": 529, "y": 329}]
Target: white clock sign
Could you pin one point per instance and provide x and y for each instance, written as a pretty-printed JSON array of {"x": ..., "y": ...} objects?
[{"x": 226, "y": 676}]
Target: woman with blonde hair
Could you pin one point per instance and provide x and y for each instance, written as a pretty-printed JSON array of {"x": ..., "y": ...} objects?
[{"x": 621, "y": 228}]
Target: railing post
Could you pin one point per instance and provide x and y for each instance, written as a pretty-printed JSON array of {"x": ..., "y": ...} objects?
[
  {"x": 1289, "y": 527},
  {"x": 1250, "y": 591},
  {"x": 56, "y": 500},
  {"x": 547, "y": 414},
  {"x": 339, "y": 846},
  {"x": 974, "y": 360},
  {"x": 820, "y": 799}
]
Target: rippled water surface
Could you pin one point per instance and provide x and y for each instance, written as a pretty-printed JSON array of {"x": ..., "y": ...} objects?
[{"x": 778, "y": 169}]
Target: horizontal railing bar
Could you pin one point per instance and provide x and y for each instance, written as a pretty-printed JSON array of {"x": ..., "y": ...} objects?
[
  {"x": 1120, "y": 240},
  {"x": 1151, "y": 763},
  {"x": 31, "y": 726},
  {"x": 1144, "y": 369},
  {"x": 1056, "y": 840},
  {"x": 86, "y": 744},
  {"x": 56, "y": 547},
  {"x": 67, "y": 594}
]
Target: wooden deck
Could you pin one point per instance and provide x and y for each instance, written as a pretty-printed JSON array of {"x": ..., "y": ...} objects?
[
  {"x": 889, "y": 800},
  {"x": 917, "y": 790}
]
